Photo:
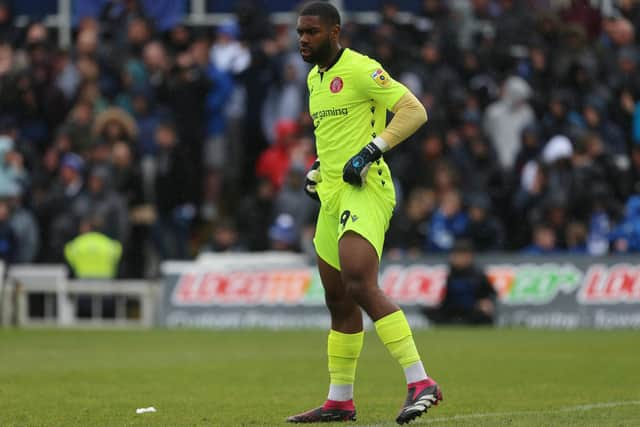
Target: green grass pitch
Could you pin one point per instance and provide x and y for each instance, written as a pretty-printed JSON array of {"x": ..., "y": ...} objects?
[{"x": 490, "y": 377}]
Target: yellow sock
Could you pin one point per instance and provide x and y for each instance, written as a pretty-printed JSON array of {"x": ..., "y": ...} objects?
[
  {"x": 343, "y": 351},
  {"x": 395, "y": 333}
]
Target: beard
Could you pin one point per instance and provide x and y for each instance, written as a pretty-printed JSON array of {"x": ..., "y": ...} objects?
[{"x": 320, "y": 55}]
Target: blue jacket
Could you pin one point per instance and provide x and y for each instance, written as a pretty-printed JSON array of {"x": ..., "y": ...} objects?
[
  {"x": 221, "y": 88},
  {"x": 443, "y": 231},
  {"x": 629, "y": 228}
]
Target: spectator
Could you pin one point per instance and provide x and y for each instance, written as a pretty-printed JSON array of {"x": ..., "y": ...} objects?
[
  {"x": 101, "y": 202},
  {"x": 225, "y": 238},
  {"x": 294, "y": 202},
  {"x": 216, "y": 146},
  {"x": 448, "y": 223},
  {"x": 8, "y": 31},
  {"x": 22, "y": 222},
  {"x": 115, "y": 124},
  {"x": 469, "y": 297},
  {"x": 530, "y": 148},
  {"x": 483, "y": 230},
  {"x": 596, "y": 121},
  {"x": 9, "y": 244},
  {"x": 557, "y": 119},
  {"x": 626, "y": 236},
  {"x": 544, "y": 241},
  {"x": 53, "y": 210},
  {"x": 92, "y": 255},
  {"x": 255, "y": 215},
  {"x": 173, "y": 184},
  {"x": 147, "y": 116},
  {"x": 635, "y": 170},
  {"x": 505, "y": 119},
  {"x": 576, "y": 238},
  {"x": 407, "y": 230},
  {"x": 274, "y": 162},
  {"x": 282, "y": 234},
  {"x": 284, "y": 99}
]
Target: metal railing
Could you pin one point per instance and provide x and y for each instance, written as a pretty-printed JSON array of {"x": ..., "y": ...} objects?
[{"x": 37, "y": 295}]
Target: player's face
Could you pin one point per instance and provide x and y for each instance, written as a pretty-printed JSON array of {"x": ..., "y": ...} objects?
[{"x": 314, "y": 39}]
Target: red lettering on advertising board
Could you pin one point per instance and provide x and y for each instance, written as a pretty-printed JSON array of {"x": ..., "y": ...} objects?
[
  {"x": 273, "y": 287},
  {"x": 415, "y": 284},
  {"x": 186, "y": 288},
  {"x": 618, "y": 283}
]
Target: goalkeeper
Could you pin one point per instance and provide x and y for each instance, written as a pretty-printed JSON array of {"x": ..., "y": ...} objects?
[{"x": 349, "y": 95}]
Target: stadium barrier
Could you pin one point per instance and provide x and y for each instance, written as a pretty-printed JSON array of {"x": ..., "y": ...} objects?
[
  {"x": 276, "y": 290},
  {"x": 279, "y": 291},
  {"x": 42, "y": 295}
]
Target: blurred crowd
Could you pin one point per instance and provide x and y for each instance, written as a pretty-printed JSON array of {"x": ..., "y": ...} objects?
[{"x": 169, "y": 143}]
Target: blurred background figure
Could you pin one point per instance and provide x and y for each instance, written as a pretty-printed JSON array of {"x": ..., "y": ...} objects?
[
  {"x": 469, "y": 297},
  {"x": 283, "y": 235},
  {"x": 92, "y": 254},
  {"x": 224, "y": 238}
]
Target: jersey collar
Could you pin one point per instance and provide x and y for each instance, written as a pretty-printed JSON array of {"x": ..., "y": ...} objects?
[{"x": 336, "y": 59}]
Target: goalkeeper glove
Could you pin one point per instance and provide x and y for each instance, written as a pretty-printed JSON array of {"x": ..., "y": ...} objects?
[
  {"x": 355, "y": 171},
  {"x": 313, "y": 178}
]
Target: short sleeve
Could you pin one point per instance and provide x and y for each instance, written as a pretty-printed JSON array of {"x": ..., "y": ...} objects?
[{"x": 377, "y": 84}]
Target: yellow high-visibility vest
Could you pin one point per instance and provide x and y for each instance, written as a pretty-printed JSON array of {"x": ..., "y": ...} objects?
[{"x": 93, "y": 256}]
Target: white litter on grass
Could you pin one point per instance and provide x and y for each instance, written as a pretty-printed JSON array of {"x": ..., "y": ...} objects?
[{"x": 143, "y": 410}]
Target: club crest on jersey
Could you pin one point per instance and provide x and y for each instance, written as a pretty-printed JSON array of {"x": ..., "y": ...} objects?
[
  {"x": 381, "y": 77},
  {"x": 336, "y": 85}
]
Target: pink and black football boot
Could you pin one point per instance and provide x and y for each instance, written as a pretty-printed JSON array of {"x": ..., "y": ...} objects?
[
  {"x": 421, "y": 396},
  {"x": 331, "y": 411}
]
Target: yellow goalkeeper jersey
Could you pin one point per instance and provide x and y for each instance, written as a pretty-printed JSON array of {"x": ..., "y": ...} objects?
[{"x": 348, "y": 103}]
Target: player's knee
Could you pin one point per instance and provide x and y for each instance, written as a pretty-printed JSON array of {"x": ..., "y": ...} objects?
[
  {"x": 358, "y": 292},
  {"x": 357, "y": 286},
  {"x": 335, "y": 299}
]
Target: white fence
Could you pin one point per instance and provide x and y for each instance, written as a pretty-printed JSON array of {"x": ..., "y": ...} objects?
[{"x": 42, "y": 295}]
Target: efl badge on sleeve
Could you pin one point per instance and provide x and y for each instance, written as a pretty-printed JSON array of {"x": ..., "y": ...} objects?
[
  {"x": 336, "y": 85},
  {"x": 381, "y": 77}
]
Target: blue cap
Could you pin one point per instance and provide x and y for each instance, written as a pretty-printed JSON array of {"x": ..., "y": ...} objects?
[
  {"x": 229, "y": 28},
  {"x": 72, "y": 161},
  {"x": 283, "y": 229}
]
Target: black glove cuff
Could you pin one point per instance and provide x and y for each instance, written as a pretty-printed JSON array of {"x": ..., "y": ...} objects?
[{"x": 371, "y": 152}]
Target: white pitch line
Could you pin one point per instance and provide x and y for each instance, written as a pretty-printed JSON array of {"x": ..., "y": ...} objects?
[{"x": 576, "y": 408}]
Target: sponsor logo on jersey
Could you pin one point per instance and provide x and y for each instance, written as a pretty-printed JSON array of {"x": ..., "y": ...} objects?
[
  {"x": 330, "y": 112},
  {"x": 336, "y": 85},
  {"x": 381, "y": 77}
]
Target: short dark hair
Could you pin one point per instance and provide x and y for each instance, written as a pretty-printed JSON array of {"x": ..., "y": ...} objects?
[{"x": 325, "y": 10}]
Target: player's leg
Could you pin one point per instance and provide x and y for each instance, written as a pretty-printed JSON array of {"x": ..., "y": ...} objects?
[
  {"x": 345, "y": 338},
  {"x": 346, "y": 316},
  {"x": 364, "y": 220},
  {"x": 359, "y": 262}
]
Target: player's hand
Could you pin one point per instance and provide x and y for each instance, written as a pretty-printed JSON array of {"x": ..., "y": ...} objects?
[
  {"x": 313, "y": 178},
  {"x": 355, "y": 171}
]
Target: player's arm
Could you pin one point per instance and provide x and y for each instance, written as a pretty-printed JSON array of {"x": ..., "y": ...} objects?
[{"x": 409, "y": 115}]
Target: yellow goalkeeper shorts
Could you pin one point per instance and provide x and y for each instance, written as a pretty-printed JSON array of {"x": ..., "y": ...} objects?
[{"x": 364, "y": 210}]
